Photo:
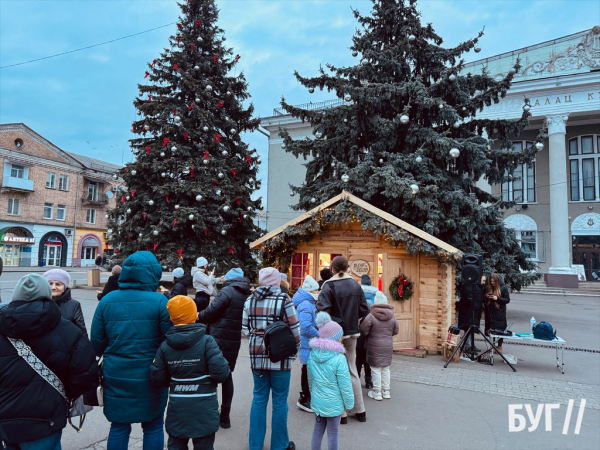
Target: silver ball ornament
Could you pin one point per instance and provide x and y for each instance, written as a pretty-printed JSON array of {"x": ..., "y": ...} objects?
[
  {"x": 127, "y": 197},
  {"x": 345, "y": 178},
  {"x": 224, "y": 153},
  {"x": 225, "y": 208},
  {"x": 176, "y": 206},
  {"x": 345, "y": 120},
  {"x": 177, "y": 119},
  {"x": 134, "y": 172},
  {"x": 205, "y": 128},
  {"x": 412, "y": 38},
  {"x": 283, "y": 146},
  {"x": 539, "y": 146},
  {"x": 232, "y": 131},
  {"x": 249, "y": 208},
  {"x": 223, "y": 232},
  {"x": 146, "y": 127},
  {"x": 205, "y": 161},
  {"x": 220, "y": 175},
  {"x": 197, "y": 100},
  {"x": 191, "y": 217},
  {"x": 355, "y": 54},
  {"x": 173, "y": 149},
  {"x": 218, "y": 192},
  {"x": 404, "y": 119},
  {"x": 454, "y": 152},
  {"x": 109, "y": 230},
  {"x": 456, "y": 124},
  {"x": 228, "y": 92},
  {"x": 311, "y": 90},
  {"x": 347, "y": 97},
  {"x": 477, "y": 49},
  {"x": 198, "y": 197},
  {"x": 512, "y": 71},
  {"x": 209, "y": 88},
  {"x": 419, "y": 159},
  {"x": 106, "y": 216},
  {"x": 245, "y": 216},
  {"x": 381, "y": 161},
  {"x": 292, "y": 193},
  {"x": 163, "y": 174},
  {"x": 162, "y": 154},
  {"x": 318, "y": 135},
  {"x": 196, "y": 67},
  {"x": 313, "y": 200},
  {"x": 155, "y": 232},
  {"x": 414, "y": 188},
  {"x": 128, "y": 211},
  {"x": 452, "y": 77},
  {"x": 526, "y": 108},
  {"x": 151, "y": 202},
  {"x": 141, "y": 235}
]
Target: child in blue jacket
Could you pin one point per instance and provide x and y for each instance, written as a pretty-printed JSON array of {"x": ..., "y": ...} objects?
[
  {"x": 304, "y": 302},
  {"x": 329, "y": 380}
]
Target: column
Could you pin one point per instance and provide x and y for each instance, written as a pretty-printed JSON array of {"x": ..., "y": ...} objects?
[{"x": 559, "y": 203}]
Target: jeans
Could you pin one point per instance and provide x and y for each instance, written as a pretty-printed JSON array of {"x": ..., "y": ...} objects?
[
  {"x": 227, "y": 391},
  {"x": 265, "y": 381},
  {"x": 381, "y": 378},
  {"x": 332, "y": 424},
  {"x": 361, "y": 360},
  {"x": 359, "y": 404},
  {"x": 154, "y": 435},
  {"x": 201, "y": 443},
  {"x": 304, "y": 382},
  {"x": 51, "y": 442}
]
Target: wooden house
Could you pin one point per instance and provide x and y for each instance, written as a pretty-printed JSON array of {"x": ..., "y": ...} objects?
[{"x": 380, "y": 245}]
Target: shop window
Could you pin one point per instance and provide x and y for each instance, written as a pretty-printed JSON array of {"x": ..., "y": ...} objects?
[
  {"x": 302, "y": 265},
  {"x": 325, "y": 260},
  {"x": 61, "y": 212},
  {"x": 14, "y": 206},
  {"x": 17, "y": 171},
  {"x": 584, "y": 168},
  {"x": 51, "y": 180},
  {"x": 522, "y": 188},
  {"x": 48, "y": 210},
  {"x": 90, "y": 216},
  {"x": 63, "y": 182}
]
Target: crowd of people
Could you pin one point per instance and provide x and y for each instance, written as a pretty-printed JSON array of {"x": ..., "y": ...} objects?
[{"x": 159, "y": 347}]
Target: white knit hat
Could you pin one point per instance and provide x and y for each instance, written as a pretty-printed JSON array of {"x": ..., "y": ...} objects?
[
  {"x": 310, "y": 284},
  {"x": 380, "y": 298}
]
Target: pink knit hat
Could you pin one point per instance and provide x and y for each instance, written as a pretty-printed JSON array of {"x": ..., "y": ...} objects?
[
  {"x": 328, "y": 329},
  {"x": 269, "y": 276}
]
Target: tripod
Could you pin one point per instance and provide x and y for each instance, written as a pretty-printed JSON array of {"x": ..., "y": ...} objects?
[{"x": 473, "y": 328}]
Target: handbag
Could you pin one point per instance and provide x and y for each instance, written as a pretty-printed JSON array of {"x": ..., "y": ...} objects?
[
  {"x": 95, "y": 397},
  {"x": 75, "y": 407},
  {"x": 338, "y": 320}
]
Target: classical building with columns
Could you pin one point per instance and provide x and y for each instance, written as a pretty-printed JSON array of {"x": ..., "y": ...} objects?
[{"x": 557, "y": 211}]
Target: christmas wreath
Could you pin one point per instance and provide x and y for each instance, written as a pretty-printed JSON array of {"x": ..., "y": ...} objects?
[{"x": 401, "y": 288}]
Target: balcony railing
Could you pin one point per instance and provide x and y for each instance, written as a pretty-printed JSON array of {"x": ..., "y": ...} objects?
[
  {"x": 311, "y": 106},
  {"x": 17, "y": 183},
  {"x": 100, "y": 199}
]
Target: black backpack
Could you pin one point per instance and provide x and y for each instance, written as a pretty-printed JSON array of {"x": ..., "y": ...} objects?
[
  {"x": 543, "y": 330},
  {"x": 279, "y": 341}
]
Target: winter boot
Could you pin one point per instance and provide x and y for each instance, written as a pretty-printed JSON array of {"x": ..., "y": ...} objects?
[
  {"x": 224, "y": 421},
  {"x": 304, "y": 403},
  {"x": 369, "y": 382},
  {"x": 375, "y": 395}
]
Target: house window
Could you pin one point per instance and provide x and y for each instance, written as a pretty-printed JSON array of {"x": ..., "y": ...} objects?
[
  {"x": 51, "y": 180},
  {"x": 14, "y": 206},
  {"x": 522, "y": 187},
  {"x": 528, "y": 242},
  {"x": 61, "y": 212},
  {"x": 93, "y": 192},
  {"x": 17, "y": 171},
  {"x": 584, "y": 168},
  {"x": 91, "y": 216},
  {"x": 302, "y": 265},
  {"x": 48, "y": 210},
  {"x": 63, "y": 182}
]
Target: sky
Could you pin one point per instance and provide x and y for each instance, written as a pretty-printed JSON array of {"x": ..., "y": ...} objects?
[{"x": 83, "y": 101}]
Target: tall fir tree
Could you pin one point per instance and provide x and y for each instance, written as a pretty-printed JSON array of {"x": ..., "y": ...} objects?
[
  {"x": 188, "y": 191},
  {"x": 406, "y": 138}
]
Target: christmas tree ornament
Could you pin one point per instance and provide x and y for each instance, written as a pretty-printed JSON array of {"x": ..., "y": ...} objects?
[
  {"x": 454, "y": 152},
  {"x": 456, "y": 124},
  {"x": 127, "y": 197},
  {"x": 162, "y": 154},
  {"x": 345, "y": 120},
  {"x": 412, "y": 37},
  {"x": 318, "y": 135},
  {"x": 512, "y": 71},
  {"x": 155, "y": 232},
  {"x": 232, "y": 131},
  {"x": 283, "y": 146},
  {"x": 452, "y": 77},
  {"x": 191, "y": 217},
  {"x": 526, "y": 108},
  {"x": 176, "y": 206},
  {"x": 223, "y": 232},
  {"x": 197, "y": 100},
  {"x": 205, "y": 128},
  {"x": 180, "y": 44},
  {"x": 539, "y": 146},
  {"x": 228, "y": 92},
  {"x": 245, "y": 216},
  {"x": 225, "y": 208},
  {"x": 381, "y": 161},
  {"x": 209, "y": 88},
  {"x": 355, "y": 53},
  {"x": 109, "y": 230},
  {"x": 419, "y": 159},
  {"x": 220, "y": 175},
  {"x": 311, "y": 90},
  {"x": 141, "y": 235},
  {"x": 292, "y": 193},
  {"x": 164, "y": 174},
  {"x": 146, "y": 127},
  {"x": 106, "y": 216},
  {"x": 173, "y": 149},
  {"x": 364, "y": 62},
  {"x": 151, "y": 202},
  {"x": 441, "y": 106},
  {"x": 224, "y": 153},
  {"x": 134, "y": 172},
  {"x": 477, "y": 49},
  {"x": 218, "y": 192},
  {"x": 196, "y": 67},
  {"x": 205, "y": 161},
  {"x": 347, "y": 97},
  {"x": 198, "y": 197},
  {"x": 139, "y": 113},
  {"x": 414, "y": 188},
  {"x": 464, "y": 108},
  {"x": 177, "y": 119},
  {"x": 313, "y": 200},
  {"x": 249, "y": 208},
  {"x": 404, "y": 119},
  {"x": 345, "y": 178},
  {"x": 128, "y": 211},
  {"x": 332, "y": 164}
]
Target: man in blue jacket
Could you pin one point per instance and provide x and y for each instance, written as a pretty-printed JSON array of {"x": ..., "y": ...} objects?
[{"x": 128, "y": 328}]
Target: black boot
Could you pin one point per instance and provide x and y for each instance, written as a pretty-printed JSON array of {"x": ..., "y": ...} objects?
[
  {"x": 369, "y": 382},
  {"x": 304, "y": 403},
  {"x": 362, "y": 417},
  {"x": 224, "y": 421}
]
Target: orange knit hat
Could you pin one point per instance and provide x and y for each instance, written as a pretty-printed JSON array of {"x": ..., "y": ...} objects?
[{"x": 182, "y": 309}]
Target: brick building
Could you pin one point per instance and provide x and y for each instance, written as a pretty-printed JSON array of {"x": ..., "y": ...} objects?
[{"x": 52, "y": 203}]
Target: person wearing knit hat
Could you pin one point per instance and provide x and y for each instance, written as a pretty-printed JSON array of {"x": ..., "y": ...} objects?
[
  {"x": 193, "y": 410},
  {"x": 112, "y": 284},
  {"x": 361, "y": 351},
  {"x": 61, "y": 293},
  {"x": 181, "y": 282},
  {"x": 329, "y": 381},
  {"x": 304, "y": 302},
  {"x": 182, "y": 310},
  {"x": 32, "y": 412},
  {"x": 204, "y": 283},
  {"x": 234, "y": 273},
  {"x": 269, "y": 377},
  {"x": 379, "y": 329}
]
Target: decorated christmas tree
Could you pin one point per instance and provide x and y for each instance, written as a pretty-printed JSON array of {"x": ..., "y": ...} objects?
[
  {"x": 406, "y": 139},
  {"x": 188, "y": 191}
]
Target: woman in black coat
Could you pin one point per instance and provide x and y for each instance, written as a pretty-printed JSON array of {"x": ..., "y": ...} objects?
[
  {"x": 112, "y": 284},
  {"x": 495, "y": 299},
  {"x": 224, "y": 319},
  {"x": 30, "y": 408},
  {"x": 61, "y": 293}
]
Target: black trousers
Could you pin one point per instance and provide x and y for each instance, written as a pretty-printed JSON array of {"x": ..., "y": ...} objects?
[
  {"x": 202, "y": 300},
  {"x": 361, "y": 360},
  {"x": 304, "y": 381},
  {"x": 227, "y": 391},
  {"x": 201, "y": 443}
]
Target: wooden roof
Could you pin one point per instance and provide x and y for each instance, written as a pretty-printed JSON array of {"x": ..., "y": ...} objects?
[{"x": 359, "y": 202}]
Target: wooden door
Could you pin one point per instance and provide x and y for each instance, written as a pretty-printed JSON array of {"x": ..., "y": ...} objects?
[{"x": 406, "y": 311}]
